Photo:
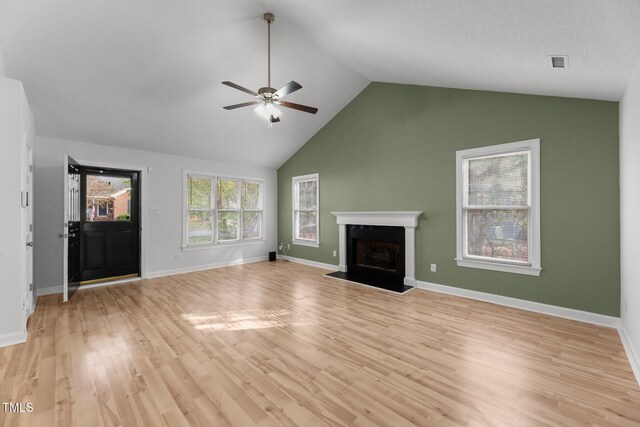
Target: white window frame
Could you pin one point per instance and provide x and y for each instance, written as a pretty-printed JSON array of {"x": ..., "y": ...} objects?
[
  {"x": 294, "y": 203},
  {"x": 241, "y": 211},
  {"x": 186, "y": 246},
  {"x": 532, "y": 267}
]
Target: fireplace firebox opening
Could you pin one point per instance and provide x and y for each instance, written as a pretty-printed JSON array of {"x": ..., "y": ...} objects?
[{"x": 376, "y": 256}]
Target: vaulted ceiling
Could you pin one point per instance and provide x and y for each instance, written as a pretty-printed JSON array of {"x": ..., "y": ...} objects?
[{"x": 146, "y": 74}]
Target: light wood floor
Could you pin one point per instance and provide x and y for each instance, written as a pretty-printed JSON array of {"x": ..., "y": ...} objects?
[{"x": 279, "y": 344}]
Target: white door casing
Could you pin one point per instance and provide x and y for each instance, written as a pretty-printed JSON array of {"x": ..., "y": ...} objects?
[{"x": 65, "y": 230}]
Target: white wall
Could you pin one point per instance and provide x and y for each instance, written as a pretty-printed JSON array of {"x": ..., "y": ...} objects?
[
  {"x": 12, "y": 249},
  {"x": 3, "y": 72},
  {"x": 164, "y": 192},
  {"x": 630, "y": 214}
]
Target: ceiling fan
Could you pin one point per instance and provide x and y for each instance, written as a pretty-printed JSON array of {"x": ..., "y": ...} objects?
[{"x": 268, "y": 97}]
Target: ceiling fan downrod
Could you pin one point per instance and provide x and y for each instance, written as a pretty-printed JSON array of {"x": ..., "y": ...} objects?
[{"x": 269, "y": 18}]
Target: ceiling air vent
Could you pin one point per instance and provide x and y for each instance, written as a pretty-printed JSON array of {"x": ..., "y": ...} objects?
[{"x": 559, "y": 61}]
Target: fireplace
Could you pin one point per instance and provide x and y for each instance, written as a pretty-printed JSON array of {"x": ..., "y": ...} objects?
[
  {"x": 377, "y": 251},
  {"x": 378, "y": 248}
]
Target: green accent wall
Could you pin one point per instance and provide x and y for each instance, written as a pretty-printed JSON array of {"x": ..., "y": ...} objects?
[{"x": 394, "y": 148}]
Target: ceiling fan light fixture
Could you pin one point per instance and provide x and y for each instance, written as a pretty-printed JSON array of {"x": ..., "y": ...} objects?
[{"x": 266, "y": 110}]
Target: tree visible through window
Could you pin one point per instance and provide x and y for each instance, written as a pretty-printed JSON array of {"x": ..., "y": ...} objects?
[
  {"x": 227, "y": 203},
  {"x": 200, "y": 227},
  {"x": 235, "y": 215},
  {"x": 305, "y": 209}
]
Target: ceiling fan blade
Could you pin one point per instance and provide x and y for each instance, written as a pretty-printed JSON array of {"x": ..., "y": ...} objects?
[
  {"x": 304, "y": 108},
  {"x": 274, "y": 119},
  {"x": 287, "y": 89},
  {"x": 244, "y": 89},
  {"x": 244, "y": 104}
]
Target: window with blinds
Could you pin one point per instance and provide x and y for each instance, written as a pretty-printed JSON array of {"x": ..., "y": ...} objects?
[{"x": 498, "y": 212}]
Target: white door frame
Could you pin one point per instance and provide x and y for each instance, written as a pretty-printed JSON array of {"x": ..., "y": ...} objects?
[
  {"x": 143, "y": 209},
  {"x": 65, "y": 230},
  {"x": 27, "y": 204}
]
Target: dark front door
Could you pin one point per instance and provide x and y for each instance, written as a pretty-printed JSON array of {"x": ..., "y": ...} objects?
[
  {"x": 74, "y": 269},
  {"x": 110, "y": 223}
]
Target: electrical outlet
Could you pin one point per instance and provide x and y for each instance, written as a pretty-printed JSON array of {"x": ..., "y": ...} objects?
[
  {"x": 433, "y": 268},
  {"x": 288, "y": 246},
  {"x": 176, "y": 257},
  {"x": 334, "y": 253}
]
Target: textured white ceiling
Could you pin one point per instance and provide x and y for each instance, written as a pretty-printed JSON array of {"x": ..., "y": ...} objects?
[
  {"x": 499, "y": 45},
  {"x": 146, "y": 73}
]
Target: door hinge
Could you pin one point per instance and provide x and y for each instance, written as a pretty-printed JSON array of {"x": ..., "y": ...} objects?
[{"x": 30, "y": 287}]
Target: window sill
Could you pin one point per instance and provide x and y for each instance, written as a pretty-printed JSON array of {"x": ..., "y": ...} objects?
[
  {"x": 222, "y": 245},
  {"x": 496, "y": 266},
  {"x": 306, "y": 243}
]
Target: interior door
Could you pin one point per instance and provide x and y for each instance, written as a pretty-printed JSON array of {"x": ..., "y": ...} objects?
[
  {"x": 110, "y": 225},
  {"x": 71, "y": 228}
]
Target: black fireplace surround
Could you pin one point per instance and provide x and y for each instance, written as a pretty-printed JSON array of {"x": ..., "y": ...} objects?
[{"x": 375, "y": 256}]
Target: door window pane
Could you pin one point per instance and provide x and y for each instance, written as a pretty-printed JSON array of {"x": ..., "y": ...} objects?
[
  {"x": 200, "y": 227},
  {"x": 227, "y": 225},
  {"x": 251, "y": 224},
  {"x": 108, "y": 198}
]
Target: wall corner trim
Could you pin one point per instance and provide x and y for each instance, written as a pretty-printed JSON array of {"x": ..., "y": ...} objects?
[
  {"x": 49, "y": 290},
  {"x": 13, "y": 339},
  {"x": 551, "y": 310},
  {"x": 634, "y": 358}
]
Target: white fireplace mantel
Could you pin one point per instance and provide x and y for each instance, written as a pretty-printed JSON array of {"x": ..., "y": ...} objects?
[{"x": 406, "y": 219}]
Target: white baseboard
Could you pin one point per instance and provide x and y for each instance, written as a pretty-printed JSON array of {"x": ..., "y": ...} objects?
[
  {"x": 632, "y": 355},
  {"x": 49, "y": 290},
  {"x": 52, "y": 290},
  {"x": 204, "y": 267},
  {"x": 113, "y": 282},
  {"x": 551, "y": 310},
  {"x": 13, "y": 339},
  {"x": 310, "y": 263}
]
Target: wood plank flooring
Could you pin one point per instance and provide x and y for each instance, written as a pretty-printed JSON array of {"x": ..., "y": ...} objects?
[{"x": 272, "y": 344}]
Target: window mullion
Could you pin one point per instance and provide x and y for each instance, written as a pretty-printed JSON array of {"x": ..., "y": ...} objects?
[
  {"x": 240, "y": 231},
  {"x": 214, "y": 209}
]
